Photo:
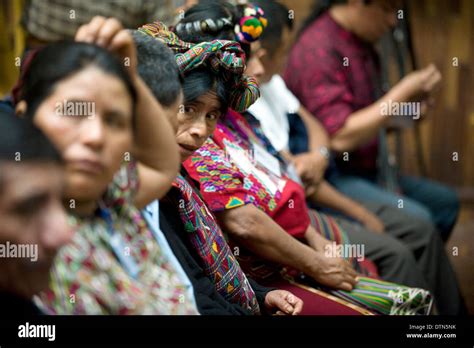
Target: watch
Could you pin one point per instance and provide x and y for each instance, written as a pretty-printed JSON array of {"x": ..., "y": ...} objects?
[{"x": 323, "y": 150}]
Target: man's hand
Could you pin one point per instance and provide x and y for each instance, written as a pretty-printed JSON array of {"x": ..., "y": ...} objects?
[
  {"x": 311, "y": 189},
  {"x": 418, "y": 85},
  {"x": 370, "y": 220},
  {"x": 334, "y": 272},
  {"x": 283, "y": 302},
  {"x": 310, "y": 167},
  {"x": 329, "y": 268},
  {"x": 110, "y": 34}
]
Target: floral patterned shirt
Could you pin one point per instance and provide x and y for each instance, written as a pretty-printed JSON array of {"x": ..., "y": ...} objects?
[{"x": 88, "y": 276}]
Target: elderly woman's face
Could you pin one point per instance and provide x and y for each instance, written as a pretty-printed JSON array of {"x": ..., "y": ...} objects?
[
  {"x": 88, "y": 116},
  {"x": 197, "y": 123}
]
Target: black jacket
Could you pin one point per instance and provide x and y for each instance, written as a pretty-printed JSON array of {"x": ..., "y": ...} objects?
[
  {"x": 14, "y": 306},
  {"x": 209, "y": 301}
]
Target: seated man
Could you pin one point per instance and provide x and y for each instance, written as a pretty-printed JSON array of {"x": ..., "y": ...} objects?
[
  {"x": 33, "y": 222},
  {"x": 333, "y": 70}
]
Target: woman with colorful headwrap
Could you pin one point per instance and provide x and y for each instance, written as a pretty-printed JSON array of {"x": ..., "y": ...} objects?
[
  {"x": 207, "y": 67},
  {"x": 208, "y": 70},
  {"x": 256, "y": 200}
]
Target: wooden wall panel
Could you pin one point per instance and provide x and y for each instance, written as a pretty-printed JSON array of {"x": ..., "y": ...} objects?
[
  {"x": 442, "y": 31},
  {"x": 301, "y": 8}
]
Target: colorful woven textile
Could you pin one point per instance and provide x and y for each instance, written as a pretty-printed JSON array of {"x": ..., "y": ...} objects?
[
  {"x": 224, "y": 58},
  {"x": 222, "y": 185},
  {"x": 388, "y": 298},
  {"x": 372, "y": 293},
  {"x": 331, "y": 230},
  {"x": 218, "y": 261},
  {"x": 87, "y": 277},
  {"x": 229, "y": 159}
]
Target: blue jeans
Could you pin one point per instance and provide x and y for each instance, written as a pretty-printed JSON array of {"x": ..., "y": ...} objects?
[{"x": 421, "y": 197}]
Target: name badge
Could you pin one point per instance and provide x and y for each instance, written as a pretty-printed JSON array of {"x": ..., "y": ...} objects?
[
  {"x": 245, "y": 162},
  {"x": 265, "y": 159}
]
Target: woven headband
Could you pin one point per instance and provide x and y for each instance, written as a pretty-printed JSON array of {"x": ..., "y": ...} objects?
[
  {"x": 204, "y": 26},
  {"x": 249, "y": 28},
  {"x": 251, "y": 25},
  {"x": 222, "y": 57}
]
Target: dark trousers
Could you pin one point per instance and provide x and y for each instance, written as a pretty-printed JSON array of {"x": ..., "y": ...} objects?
[
  {"x": 421, "y": 198},
  {"x": 410, "y": 252}
]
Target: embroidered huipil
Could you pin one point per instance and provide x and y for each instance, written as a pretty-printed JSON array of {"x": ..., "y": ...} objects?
[
  {"x": 87, "y": 276},
  {"x": 229, "y": 176},
  {"x": 217, "y": 259}
]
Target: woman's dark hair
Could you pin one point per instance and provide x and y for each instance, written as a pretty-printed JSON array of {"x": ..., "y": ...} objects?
[
  {"x": 157, "y": 67},
  {"x": 19, "y": 136},
  {"x": 320, "y": 7},
  {"x": 215, "y": 11},
  {"x": 200, "y": 81},
  {"x": 22, "y": 142},
  {"x": 58, "y": 61}
]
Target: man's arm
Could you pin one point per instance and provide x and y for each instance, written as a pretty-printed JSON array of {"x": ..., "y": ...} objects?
[
  {"x": 260, "y": 234},
  {"x": 317, "y": 134},
  {"x": 364, "y": 124},
  {"x": 311, "y": 165},
  {"x": 154, "y": 143},
  {"x": 327, "y": 196}
]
